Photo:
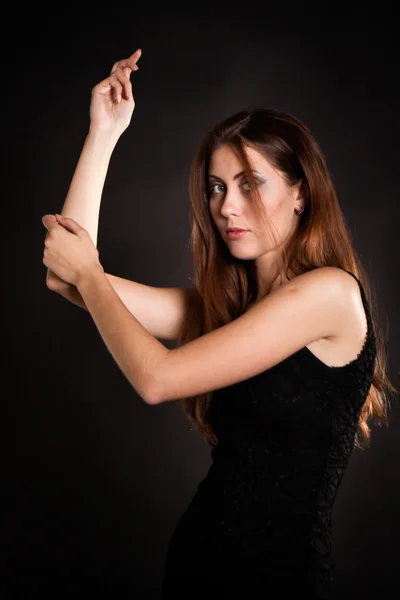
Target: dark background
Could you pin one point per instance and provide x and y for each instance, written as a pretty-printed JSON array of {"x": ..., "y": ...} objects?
[{"x": 94, "y": 479}]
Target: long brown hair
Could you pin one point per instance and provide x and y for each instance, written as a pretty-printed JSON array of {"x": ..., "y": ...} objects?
[{"x": 224, "y": 286}]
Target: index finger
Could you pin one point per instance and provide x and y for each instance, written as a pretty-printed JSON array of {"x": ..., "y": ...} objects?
[{"x": 129, "y": 62}]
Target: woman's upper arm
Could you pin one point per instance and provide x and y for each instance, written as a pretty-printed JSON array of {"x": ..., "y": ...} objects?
[{"x": 160, "y": 310}]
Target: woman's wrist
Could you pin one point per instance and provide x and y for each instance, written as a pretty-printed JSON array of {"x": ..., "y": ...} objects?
[{"x": 106, "y": 135}]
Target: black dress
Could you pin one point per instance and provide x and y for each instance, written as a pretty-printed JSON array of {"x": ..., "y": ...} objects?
[{"x": 259, "y": 524}]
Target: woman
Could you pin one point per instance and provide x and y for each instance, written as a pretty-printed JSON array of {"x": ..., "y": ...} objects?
[{"x": 278, "y": 363}]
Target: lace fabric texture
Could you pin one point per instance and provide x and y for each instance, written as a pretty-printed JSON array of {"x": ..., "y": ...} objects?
[{"x": 259, "y": 524}]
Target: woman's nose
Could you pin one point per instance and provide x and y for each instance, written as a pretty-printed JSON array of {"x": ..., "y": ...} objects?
[{"x": 231, "y": 202}]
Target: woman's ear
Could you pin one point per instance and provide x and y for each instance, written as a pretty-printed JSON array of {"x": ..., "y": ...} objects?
[{"x": 304, "y": 192}]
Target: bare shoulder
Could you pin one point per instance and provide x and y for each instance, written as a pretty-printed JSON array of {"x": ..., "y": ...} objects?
[
  {"x": 334, "y": 281},
  {"x": 333, "y": 277},
  {"x": 328, "y": 280}
]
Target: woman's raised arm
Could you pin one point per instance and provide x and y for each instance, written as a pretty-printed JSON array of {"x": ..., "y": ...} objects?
[{"x": 111, "y": 108}]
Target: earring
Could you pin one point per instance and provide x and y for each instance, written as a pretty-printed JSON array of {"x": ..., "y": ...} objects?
[{"x": 300, "y": 210}]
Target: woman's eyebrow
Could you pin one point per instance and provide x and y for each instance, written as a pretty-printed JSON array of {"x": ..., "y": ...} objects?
[{"x": 211, "y": 176}]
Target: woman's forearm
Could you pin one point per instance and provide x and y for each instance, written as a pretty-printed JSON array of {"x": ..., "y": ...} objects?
[
  {"x": 84, "y": 194},
  {"x": 73, "y": 295}
]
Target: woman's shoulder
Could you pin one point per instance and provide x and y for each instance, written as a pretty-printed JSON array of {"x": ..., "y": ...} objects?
[
  {"x": 344, "y": 285},
  {"x": 335, "y": 278}
]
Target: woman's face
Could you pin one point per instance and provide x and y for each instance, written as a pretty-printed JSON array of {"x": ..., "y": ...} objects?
[{"x": 231, "y": 206}]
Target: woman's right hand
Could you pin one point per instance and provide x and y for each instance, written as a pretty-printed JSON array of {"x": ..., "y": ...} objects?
[{"x": 112, "y": 101}]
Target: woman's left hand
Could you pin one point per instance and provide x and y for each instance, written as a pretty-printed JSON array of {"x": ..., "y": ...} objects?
[{"x": 68, "y": 249}]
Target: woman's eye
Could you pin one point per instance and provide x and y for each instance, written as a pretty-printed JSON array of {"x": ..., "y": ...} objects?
[
  {"x": 216, "y": 185},
  {"x": 248, "y": 186}
]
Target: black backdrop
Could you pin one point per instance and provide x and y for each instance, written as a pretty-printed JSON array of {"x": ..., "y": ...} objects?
[{"x": 95, "y": 479}]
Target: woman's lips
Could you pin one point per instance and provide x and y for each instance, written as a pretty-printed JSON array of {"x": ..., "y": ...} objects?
[{"x": 235, "y": 235}]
